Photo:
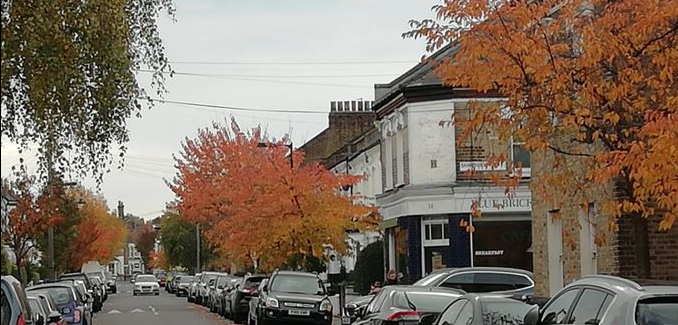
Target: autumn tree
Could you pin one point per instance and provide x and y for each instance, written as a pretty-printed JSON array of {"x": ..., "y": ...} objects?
[
  {"x": 69, "y": 81},
  {"x": 257, "y": 209},
  {"x": 101, "y": 235},
  {"x": 145, "y": 243},
  {"x": 589, "y": 84}
]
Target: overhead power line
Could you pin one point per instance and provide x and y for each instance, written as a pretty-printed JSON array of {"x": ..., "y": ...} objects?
[
  {"x": 292, "y": 62},
  {"x": 217, "y": 75},
  {"x": 234, "y": 108}
]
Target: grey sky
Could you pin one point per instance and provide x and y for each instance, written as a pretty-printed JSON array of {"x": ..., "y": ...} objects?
[{"x": 270, "y": 31}]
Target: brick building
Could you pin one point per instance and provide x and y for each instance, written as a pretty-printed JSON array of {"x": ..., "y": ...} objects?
[{"x": 564, "y": 247}]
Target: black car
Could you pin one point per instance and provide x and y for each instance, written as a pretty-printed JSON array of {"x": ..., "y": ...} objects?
[
  {"x": 475, "y": 309},
  {"x": 92, "y": 289},
  {"x": 181, "y": 284},
  {"x": 237, "y": 303},
  {"x": 502, "y": 280},
  {"x": 406, "y": 305},
  {"x": 295, "y": 297}
]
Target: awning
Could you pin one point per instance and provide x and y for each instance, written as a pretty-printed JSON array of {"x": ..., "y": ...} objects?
[{"x": 390, "y": 223}]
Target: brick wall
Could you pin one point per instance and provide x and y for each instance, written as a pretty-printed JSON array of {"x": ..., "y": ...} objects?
[{"x": 343, "y": 127}]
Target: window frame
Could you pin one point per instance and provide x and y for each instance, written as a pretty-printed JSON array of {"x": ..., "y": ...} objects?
[
  {"x": 491, "y": 272},
  {"x": 427, "y": 235},
  {"x": 578, "y": 290},
  {"x": 526, "y": 171},
  {"x": 581, "y": 292}
]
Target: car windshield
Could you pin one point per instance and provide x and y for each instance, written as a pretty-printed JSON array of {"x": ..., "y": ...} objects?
[
  {"x": 504, "y": 312},
  {"x": 657, "y": 311},
  {"x": 185, "y": 279},
  {"x": 297, "y": 284},
  {"x": 222, "y": 281},
  {"x": 146, "y": 278},
  {"x": 427, "y": 301},
  {"x": 429, "y": 279},
  {"x": 60, "y": 295}
]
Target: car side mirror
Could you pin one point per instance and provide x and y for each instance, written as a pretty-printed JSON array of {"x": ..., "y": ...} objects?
[
  {"x": 427, "y": 319},
  {"x": 131, "y": 281},
  {"x": 532, "y": 316}
]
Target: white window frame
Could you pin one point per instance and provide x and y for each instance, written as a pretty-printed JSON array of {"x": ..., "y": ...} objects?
[
  {"x": 526, "y": 171},
  {"x": 434, "y": 220}
]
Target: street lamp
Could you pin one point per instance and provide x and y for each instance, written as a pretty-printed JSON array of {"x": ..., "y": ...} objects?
[{"x": 289, "y": 145}]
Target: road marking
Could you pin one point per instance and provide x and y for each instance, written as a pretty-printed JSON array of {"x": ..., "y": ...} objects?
[
  {"x": 153, "y": 310},
  {"x": 137, "y": 310},
  {"x": 114, "y": 311}
]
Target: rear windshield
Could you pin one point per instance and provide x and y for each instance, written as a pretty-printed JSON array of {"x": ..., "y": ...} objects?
[
  {"x": 657, "y": 311},
  {"x": 252, "y": 282},
  {"x": 426, "y": 301},
  {"x": 185, "y": 279},
  {"x": 504, "y": 312},
  {"x": 60, "y": 295}
]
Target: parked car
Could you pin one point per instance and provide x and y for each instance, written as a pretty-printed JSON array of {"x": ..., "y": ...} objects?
[
  {"x": 146, "y": 284},
  {"x": 84, "y": 298},
  {"x": 608, "y": 300},
  {"x": 67, "y": 300},
  {"x": 254, "y": 301},
  {"x": 15, "y": 308},
  {"x": 98, "y": 301},
  {"x": 216, "y": 293},
  {"x": 352, "y": 306},
  {"x": 182, "y": 284},
  {"x": 50, "y": 308},
  {"x": 111, "y": 282},
  {"x": 236, "y": 303},
  {"x": 162, "y": 281},
  {"x": 479, "y": 309},
  {"x": 101, "y": 286},
  {"x": 42, "y": 315},
  {"x": 400, "y": 304},
  {"x": 507, "y": 281},
  {"x": 201, "y": 288},
  {"x": 296, "y": 297},
  {"x": 193, "y": 288}
]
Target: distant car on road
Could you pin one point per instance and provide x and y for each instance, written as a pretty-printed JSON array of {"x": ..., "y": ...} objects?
[
  {"x": 254, "y": 301},
  {"x": 215, "y": 289},
  {"x": 146, "y": 284},
  {"x": 296, "y": 297},
  {"x": 49, "y": 307},
  {"x": 193, "y": 288},
  {"x": 98, "y": 301},
  {"x": 201, "y": 289},
  {"x": 507, "y": 281},
  {"x": 111, "y": 282},
  {"x": 15, "y": 306},
  {"x": 608, "y": 300}
]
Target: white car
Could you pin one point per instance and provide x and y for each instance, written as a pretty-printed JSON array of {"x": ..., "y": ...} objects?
[{"x": 146, "y": 284}]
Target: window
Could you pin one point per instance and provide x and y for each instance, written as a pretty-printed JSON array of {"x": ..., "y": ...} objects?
[
  {"x": 589, "y": 308},
  {"x": 451, "y": 313},
  {"x": 504, "y": 311},
  {"x": 459, "y": 281},
  {"x": 657, "y": 310},
  {"x": 487, "y": 282},
  {"x": 465, "y": 315},
  {"x": 556, "y": 312},
  {"x": 436, "y": 231},
  {"x": 521, "y": 156}
]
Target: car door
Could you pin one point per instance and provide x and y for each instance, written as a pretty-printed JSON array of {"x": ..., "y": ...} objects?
[
  {"x": 590, "y": 307},
  {"x": 558, "y": 309}
]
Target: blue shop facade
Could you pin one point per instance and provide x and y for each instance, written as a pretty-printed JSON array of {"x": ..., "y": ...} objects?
[{"x": 423, "y": 230}]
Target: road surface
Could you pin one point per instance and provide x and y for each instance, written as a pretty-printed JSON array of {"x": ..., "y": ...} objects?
[{"x": 166, "y": 309}]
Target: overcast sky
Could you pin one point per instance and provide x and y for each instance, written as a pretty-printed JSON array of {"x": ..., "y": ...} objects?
[{"x": 246, "y": 44}]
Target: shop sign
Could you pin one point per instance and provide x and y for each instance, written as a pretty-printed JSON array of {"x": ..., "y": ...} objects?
[
  {"x": 481, "y": 166},
  {"x": 505, "y": 203},
  {"x": 490, "y": 253}
]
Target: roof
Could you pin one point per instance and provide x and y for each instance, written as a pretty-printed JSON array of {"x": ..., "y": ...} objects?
[
  {"x": 483, "y": 268},
  {"x": 298, "y": 273},
  {"x": 49, "y": 285}
]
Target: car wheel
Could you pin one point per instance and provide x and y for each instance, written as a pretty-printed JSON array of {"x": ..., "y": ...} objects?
[{"x": 157, "y": 293}]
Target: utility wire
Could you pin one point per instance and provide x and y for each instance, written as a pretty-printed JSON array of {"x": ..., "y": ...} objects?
[
  {"x": 234, "y": 108},
  {"x": 273, "y": 81},
  {"x": 291, "y": 62},
  {"x": 230, "y": 76}
]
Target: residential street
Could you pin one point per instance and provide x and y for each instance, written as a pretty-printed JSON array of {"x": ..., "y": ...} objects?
[{"x": 166, "y": 309}]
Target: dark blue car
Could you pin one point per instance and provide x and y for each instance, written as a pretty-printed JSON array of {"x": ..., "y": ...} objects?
[{"x": 67, "y": 301}]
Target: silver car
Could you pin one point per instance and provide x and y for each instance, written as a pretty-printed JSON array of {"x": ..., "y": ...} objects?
[{"x": 608, "y": 300}]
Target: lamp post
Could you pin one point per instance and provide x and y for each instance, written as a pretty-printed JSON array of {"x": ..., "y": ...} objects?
[
  {"x": 50, "y": 231},
  {"x": 289, "y": 145}
]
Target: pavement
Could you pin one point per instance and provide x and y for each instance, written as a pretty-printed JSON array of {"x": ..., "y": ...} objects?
[{"x": 166, "y": 309}]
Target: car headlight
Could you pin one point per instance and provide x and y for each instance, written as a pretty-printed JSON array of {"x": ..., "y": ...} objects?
[
  {"x": 137, "y": 287},
  {"x": 272, "y": 302},
  {"x": 326, "y": 305}
]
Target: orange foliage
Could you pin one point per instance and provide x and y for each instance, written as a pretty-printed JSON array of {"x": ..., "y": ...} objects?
[
  {"x": 157, "y": 260},
  {"x": 588, "y": 83},
  {"x": 101, "y": 235},
  {"x": 254, "y": 206}
]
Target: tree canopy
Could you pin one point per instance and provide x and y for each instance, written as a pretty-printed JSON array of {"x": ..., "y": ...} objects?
[
  {"x": 254, "y": 207},
  {"x": 589, "y": 84},
  {"x": 68, "y": 80}
]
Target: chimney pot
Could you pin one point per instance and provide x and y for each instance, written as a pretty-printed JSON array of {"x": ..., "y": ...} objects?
[
  {"x": 347, "y": 105},
  {"x": 333, "y": 106}
]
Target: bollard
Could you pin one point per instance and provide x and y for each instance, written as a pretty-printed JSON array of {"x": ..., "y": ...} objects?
[{"x": 345, "y": 319}]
